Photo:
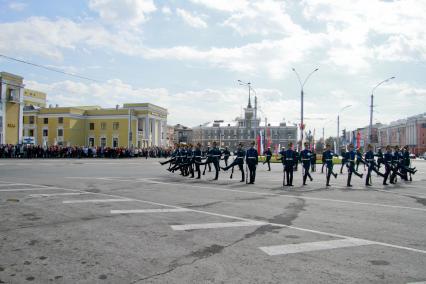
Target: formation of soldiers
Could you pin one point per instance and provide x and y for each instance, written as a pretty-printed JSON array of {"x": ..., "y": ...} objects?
[
  {"x": 189, "y": 160},
  {"x": 49, "y": 152}
]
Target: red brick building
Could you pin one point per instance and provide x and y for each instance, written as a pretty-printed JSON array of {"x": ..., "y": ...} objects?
[{"x": 410, "y": 131}]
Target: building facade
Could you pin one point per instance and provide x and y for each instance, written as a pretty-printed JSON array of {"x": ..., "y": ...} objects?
[
  {"x": 24, "y": 118},
  {"x": 410, "y": 131},
  {"x": 245, "y": 130},
  {"x": 182, "y": 134}
]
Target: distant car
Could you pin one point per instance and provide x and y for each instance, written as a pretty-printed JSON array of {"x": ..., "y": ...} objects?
[
  {"x": 423, "y": 156},
  {"x": 412, "y": 156}
]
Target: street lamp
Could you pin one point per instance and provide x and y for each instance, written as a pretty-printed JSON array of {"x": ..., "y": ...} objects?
[
  {"x": 301, "y": 99},
  {"x": 371, "y": 108},
  {"x": 338, "y": 127}
]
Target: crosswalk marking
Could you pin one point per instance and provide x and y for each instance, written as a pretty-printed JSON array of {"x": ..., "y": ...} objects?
[
  {"x": 149, "y": 211},
  {"x": 96, "y": 200},
  {"x": 314, "y": 246},
  {"x": 216, "y": 225},
  {"x": 58, "y": 194},
  {"x": 28, "y": 189}
]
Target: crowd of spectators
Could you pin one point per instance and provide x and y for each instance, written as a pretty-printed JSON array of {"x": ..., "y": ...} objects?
[{"x": 50, "y": 152}]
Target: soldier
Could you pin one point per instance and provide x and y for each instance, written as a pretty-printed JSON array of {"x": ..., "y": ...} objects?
[
  {"x": 252, "y": 159},
  {"x": 387, "y": 161},
  {"x": 343, "y": 154},
  {"x": 206, "y": 154},
  {"x": 328, "y": 159},
  {"x": 289, "y": 162},
  {"x": 306, "y": 157},
  {"x": 314, "y": 161},
  {"x": 359, "y": 159},
  {"x": 197, "y": 160},
  {"x": 296, "y": 161},
  {"x": 282, "y": 158},
  {"x": 323, "y": 163},
  {"x": 268, "y": 155},
  {"x": 216, "y": 154},
  {"x": 379, "y": 156},
  {"x": 371, "y": 165},
  {"x": 350, "y": 164},
  {"x": 239, "y": 160},
  {"x": 406, "y": 163},
  {"x": 226, "y": 155}
]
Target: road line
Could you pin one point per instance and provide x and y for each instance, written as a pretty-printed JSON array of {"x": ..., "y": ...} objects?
[
  {"x": 57, "y": 194},
  {"x": 250, "y": 220},
  {"x": 314, "y": 246},
  {"x": 12, "y": 184},
  {"x": 290, "y": 196},
  {"x": 96, "y": 200},
  {"x": 216, "y": 225},
  {"x": 28, "y": 189},
  {"x": 134, "y": 211}
]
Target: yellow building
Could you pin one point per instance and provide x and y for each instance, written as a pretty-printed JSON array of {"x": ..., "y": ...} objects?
[
  {"x": 137, "y": 125},
  {"x": 29, "y": 121}
]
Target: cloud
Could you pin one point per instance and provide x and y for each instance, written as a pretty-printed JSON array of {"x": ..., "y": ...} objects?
[
  {"x": 131, "y": 12},
  {"x": 49, "y": 38},
  {"x": 190, "y": 19},
  {"x": 166, "y": 10},
  {"x": 17, "y": 6},
  {"x": 223, "y": 5}
]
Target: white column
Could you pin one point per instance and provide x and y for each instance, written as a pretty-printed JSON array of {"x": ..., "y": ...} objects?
[
  {"x": 21, "y": 114},
  {"x": 154, "y": 132},
  {"x": 137, "y": 132},
  {"x": 4, "y": 100},
  {"x": 146, "y": 129},
  {"x": 160, "y": 133}
]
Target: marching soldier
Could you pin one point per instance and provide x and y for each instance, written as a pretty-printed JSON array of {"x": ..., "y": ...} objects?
[
  {"x": 206, "y": 154},
  {"x": 239, "y": 160},
  {"x": 407, "y": 163},
  {"x": 343, "y": 153},
  {"x": 282, "y": 158},
  {"x": 387, "y": 161},
  {"x": 252, "y": 159},
  {"x": 289, "y": 163},
  {"x": 350, "y": 164},
  {"x": 197, "y": 160},
  {"x": 306, "y": 157},
  {"x": 359, "y": 159},
  {"x": 226, "y": 155},
  {"x": 216, "y": 154},
  {"x": 371, "y": 165},
  {"x": 268, "y": 155},
  {"x": 314, "y": 161},
  {"x": 328, "y": 160},
  {"x": 379, "y": 156}
]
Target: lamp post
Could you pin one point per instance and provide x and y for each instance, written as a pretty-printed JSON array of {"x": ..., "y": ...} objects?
[
  {"x": 301, "y": 99},
  {"x": 338, "y": 127},
  {"x": 371, "y": 108}
]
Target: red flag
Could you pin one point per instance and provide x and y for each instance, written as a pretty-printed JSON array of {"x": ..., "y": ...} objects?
[
  {"x": 258, "y": 144},
  {"x": 358, "y": 140}
]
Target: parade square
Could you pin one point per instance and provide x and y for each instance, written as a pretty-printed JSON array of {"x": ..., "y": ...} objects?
[{"x": 131, "y": 221}]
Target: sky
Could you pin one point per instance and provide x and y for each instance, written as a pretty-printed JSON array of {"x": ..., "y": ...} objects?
[{"x": 188, "y": 56}]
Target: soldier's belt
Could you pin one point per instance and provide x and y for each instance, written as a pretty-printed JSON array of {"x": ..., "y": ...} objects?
[
  {"x": 289, "y": 159},
  {"x": 251, "y": 157},
  {"x": 351, "y": 160},
  {"x": 306, "y": 159},
  {"x": 329, "y": 159},
  {"x": 239, "y": 158},
  {"x": 198, "y": 156},
  {"x": 216, "y": 155}
]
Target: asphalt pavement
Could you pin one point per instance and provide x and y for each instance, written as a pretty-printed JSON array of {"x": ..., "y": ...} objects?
[{"x": 131, "y": 221}]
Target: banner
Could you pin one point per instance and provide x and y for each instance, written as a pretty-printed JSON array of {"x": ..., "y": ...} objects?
[
  {"x": 261, "y": 134},
  {"x": 358, "y": 140},
  {"x": 258, "y": 143}
]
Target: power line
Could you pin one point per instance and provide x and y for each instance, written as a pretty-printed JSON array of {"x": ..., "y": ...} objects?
[{"x": 49, "y": 68}]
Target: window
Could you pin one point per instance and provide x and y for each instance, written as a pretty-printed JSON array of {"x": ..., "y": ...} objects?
[
  {"x": 60, "y": 120},
  {"x": 91, "y": 126},
  {"x": 103, "y": 142},
  {"x": 103, "y": 125},
  {"x": 45, "y": 120},
  {"x": 91, "y": 142},
  {"x": 115, "y": 142},
  {"x": 60, "y": 132},
  {"x": 45, "y": 133},
  {"x": 31, "y": 132},
  {"x": 31, "y": 119},
  {"x": 116, "y": 125}
]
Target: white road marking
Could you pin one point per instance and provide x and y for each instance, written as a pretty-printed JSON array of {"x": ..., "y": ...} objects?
[
  {"x": 28, "y": 189},
  {"x": 314, "y": 246},
  {"x": 249, "y": 220},
  {"x": 421, "y": 282},
  {"x": 134, "y": 211},
  {"x": 58, "y": 194},
  {"x": 216, "y": 225},
  {"x": 96, "y": 200},
  {"x": 11, "y": 184}
]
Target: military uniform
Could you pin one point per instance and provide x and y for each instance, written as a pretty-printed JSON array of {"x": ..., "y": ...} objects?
[
  {"x": 371, "y": 166},
  {"x": 238, "y": 161},
  {"x": 252, "y": 159},
  {"x": 290, "y": 159},
  {"x": 268, "y": 155},
  {"x": 306, "y": 157},
  {"x": 328, "y": 159},
  {"x": 226, "y": 155},
  {"x": 350, "y": 164}
]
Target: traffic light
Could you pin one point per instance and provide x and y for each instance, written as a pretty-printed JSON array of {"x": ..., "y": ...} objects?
[{"x": 344, "y": 132}]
